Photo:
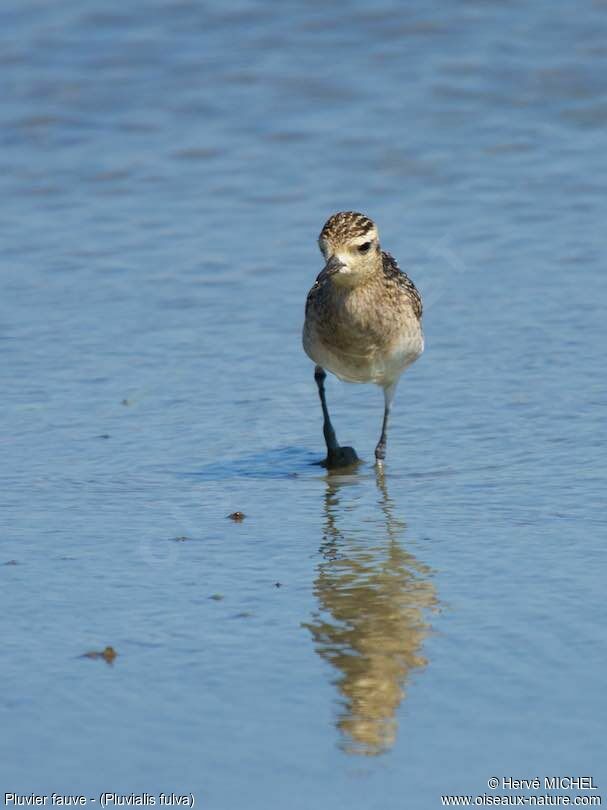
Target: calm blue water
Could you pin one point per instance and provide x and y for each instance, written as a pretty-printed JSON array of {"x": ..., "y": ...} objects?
[{"x": 355, "y": 642}]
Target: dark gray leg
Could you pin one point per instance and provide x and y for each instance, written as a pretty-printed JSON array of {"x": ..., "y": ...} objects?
[
  {"x": 320, "y": 376},
  {"x": 380, "y": 450},
  {"x": 336, "y": 456}
]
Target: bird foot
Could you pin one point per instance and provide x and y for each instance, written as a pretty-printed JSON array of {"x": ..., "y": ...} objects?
[
  {"x": 380, "y": 454},
  {"x": 340, "y": 457}
]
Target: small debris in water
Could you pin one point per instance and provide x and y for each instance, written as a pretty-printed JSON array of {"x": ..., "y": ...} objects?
[
  {"x": 108, "y": 654},
  {"x": 125, "y": 402},
  {"x": 216, "y": 596},
  {"x": 237, "y": 517},
  {"x": 103, "y": 436},
  {"x": 278, "y": 584},
  {"x": 11, "y": 562},
  {"x": 181, "y": 539}
]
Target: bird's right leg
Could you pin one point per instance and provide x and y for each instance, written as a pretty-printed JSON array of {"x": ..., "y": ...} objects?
[
  {"x": 336, "y": 456},
  {"x": 320, "y": 376}
]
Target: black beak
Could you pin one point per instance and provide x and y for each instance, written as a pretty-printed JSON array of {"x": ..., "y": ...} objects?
[{"x": 333, "y": 266}]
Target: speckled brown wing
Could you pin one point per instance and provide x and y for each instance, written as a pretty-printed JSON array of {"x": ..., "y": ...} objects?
[
  {"x": 316, "y": 290},
  {"x": 395, "y": 275}
]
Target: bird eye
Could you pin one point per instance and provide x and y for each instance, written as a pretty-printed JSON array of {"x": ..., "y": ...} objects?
[{"x": 364, "y": 248}]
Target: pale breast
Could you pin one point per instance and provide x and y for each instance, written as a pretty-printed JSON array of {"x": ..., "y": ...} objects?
[
  {"x": 367, "y": 334},
  {"x": 363, "y": 362}
]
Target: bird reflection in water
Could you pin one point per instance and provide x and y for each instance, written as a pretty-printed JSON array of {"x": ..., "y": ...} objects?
[{"x": 373, "y": 597}]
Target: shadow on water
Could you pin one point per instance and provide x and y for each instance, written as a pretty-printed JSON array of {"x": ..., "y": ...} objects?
[
  {"x": 282, "y": 462},
  {"x": 372, "y": 595},
  {"x": 289, "y": 462}
]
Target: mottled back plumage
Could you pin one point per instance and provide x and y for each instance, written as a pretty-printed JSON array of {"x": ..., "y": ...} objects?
[{"x": 392, "y": 272}]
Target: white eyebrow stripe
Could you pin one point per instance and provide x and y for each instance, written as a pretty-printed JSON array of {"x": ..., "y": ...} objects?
[{"x": 371, "y": 236}]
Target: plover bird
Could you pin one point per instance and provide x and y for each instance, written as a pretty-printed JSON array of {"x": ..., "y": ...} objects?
[{"x": 363, "y": 320}]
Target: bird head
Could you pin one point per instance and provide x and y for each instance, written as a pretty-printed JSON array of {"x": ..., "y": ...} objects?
[{"x": 350, "y": 244}]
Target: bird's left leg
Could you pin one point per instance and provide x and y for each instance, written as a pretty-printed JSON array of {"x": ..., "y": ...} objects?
[{"x": 380, "y": 450}]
